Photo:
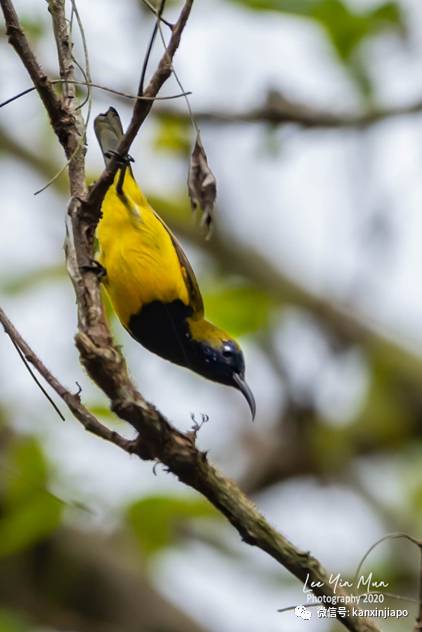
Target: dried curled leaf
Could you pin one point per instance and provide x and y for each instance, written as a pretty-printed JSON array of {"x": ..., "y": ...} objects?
[{"x": 202, "y": 184}]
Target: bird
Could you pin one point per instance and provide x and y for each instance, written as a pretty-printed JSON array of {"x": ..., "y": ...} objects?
[{"x": 149, "y": 280}]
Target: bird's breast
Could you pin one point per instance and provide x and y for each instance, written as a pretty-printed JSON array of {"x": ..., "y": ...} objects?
[
  {"x": 162, "y": 328},
  {"x": 141, "y": 263}
]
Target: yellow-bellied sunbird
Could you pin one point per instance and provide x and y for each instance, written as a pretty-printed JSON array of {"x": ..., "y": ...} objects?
[{"x": 149, "y": 279}]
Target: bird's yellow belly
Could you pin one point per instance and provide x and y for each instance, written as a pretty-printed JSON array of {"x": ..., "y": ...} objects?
[{"x": 141, "y": 263}]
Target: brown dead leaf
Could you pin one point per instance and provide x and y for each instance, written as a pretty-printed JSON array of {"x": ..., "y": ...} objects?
[{"x": 202, "y": 185}]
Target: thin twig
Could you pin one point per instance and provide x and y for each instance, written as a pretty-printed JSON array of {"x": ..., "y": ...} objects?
[
  {"x": 125, "y": 95},
  {"x": 72, "y": 400},
  {"x": 140, "y": 112},
  {"x": 106, "y": 365},
  {"x": 17, "y": 39},
  {"x": 179, "y": 83},
  {"x": 64, "y": 48},
  {"x": 65, "y": 54},
  {"x": 287, "y": 111},
  {"x": 36, "y": 380},
  {"x": 18, "y": 96},
  {"x": 155, "y": 12},
  {"x": 389, "y": 536},
  {"x": 149, "y": 48},
  {"x": 88, "y": 96},
  {"x": 86, "y": 73},
  {"x": 87, "y": 70}
]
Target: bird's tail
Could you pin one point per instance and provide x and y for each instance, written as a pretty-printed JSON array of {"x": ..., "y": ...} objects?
[{"x": 109, "y": 131}]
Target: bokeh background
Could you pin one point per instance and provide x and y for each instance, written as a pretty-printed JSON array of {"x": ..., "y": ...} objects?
[{"x": 314, "y": 264}]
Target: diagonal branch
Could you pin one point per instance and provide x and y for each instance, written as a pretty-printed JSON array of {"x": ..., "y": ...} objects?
[
  {"x": 179, "y": 453},
  {"x": 72, "y": 400},
  {"x": 102, "y": 359},
  {"x": 140, "y": 110},
  {"x": 51, "y": 101}
]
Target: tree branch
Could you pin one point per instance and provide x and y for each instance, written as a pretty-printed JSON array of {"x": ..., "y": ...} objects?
[
  {"x": 72, "y": 400},
  {"x": 140, "y": 111},
  {"x": 280, "y": 110},
  {"x": 282, "y": 461},
  {"x": 106, "y": 366},
  {"x": 237, "y": 258},
  {"x": 64, "y": 48},
  {"x": 178, "y": 451},
  {"x": 52, "y": 103}
]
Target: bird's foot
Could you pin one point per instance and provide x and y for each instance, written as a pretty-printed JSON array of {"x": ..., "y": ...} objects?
[
  {"x": 95, "y": 267},
  {"x": 192, "y": 434},
  {"x": 122, "y": 159}
]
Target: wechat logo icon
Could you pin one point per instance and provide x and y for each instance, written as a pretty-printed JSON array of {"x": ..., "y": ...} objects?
[{"x": 303, "y": 613}]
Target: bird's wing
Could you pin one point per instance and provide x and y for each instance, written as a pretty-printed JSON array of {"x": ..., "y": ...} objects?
[
  {"x": 109, "y": 131},
  {"x": 195, "y": 298}
]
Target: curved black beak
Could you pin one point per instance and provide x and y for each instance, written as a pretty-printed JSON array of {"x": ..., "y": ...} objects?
[{"x": 244, "y": 388}]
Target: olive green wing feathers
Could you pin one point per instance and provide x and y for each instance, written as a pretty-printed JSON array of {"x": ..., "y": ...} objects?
[
  {"x": 109, "y": 132},
  {"x": 195, "y": 298}
]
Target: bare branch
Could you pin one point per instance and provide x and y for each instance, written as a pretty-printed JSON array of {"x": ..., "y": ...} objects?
[
  {"x": 156, "y": 13},
  {"x": 280, "y": 110},
  {"x": 67, "y": 125},
  {"x": 64, "y": 48},
  {"x": 89, "y": 84},
  {"x": 74, "y": 144},
  {"x": 72, "y": 400},
  {"x": 178, "y": 452},
  {"x": 51, "y": 101},
  {"x": 140, "y": 112},
  {"x": 104, "y": 362},
  {"x": 36, "y": 380},
  {"x": 255, "y": 530},
  {"x": 150, "y": 46}
]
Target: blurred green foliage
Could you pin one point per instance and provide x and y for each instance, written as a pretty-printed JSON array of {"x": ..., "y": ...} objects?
[
  {"x": 29, "y": 512},
  {"x": 26, "y": 282},
  {"x": 239, "y": 308},
  {"x": 156, "y": 520},
  {"x": 12, "y": 622},
  {"x": 346, "y": 27},
  {"x": 173, "y": 135},
  {"x": 33, "y": 26}
]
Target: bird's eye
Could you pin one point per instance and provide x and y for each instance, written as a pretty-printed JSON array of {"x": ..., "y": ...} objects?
[{"x": 227, "y": 353}]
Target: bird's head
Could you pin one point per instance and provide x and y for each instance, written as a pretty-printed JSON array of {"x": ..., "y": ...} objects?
[{"x": 216, "y": 356}]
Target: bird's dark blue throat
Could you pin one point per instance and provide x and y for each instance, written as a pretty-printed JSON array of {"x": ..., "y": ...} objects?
[{"x": 163, "y": 329}]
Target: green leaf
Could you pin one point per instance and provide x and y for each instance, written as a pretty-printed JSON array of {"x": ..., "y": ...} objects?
[
  {"x": 389, "y": 13},
  {"x": 12, "y": 622},
  {"x": 26, "y": 470},
  {"x": 386, "y": 414},
  {"x": 29, "y": 510},
  {"x": 156, "y": 520},
  {"x": 240, "y": 309},
  {"x": 294, "y": 7},
  {"x": 345, "y": 27},
  {"x": 27, "y": 523}
]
